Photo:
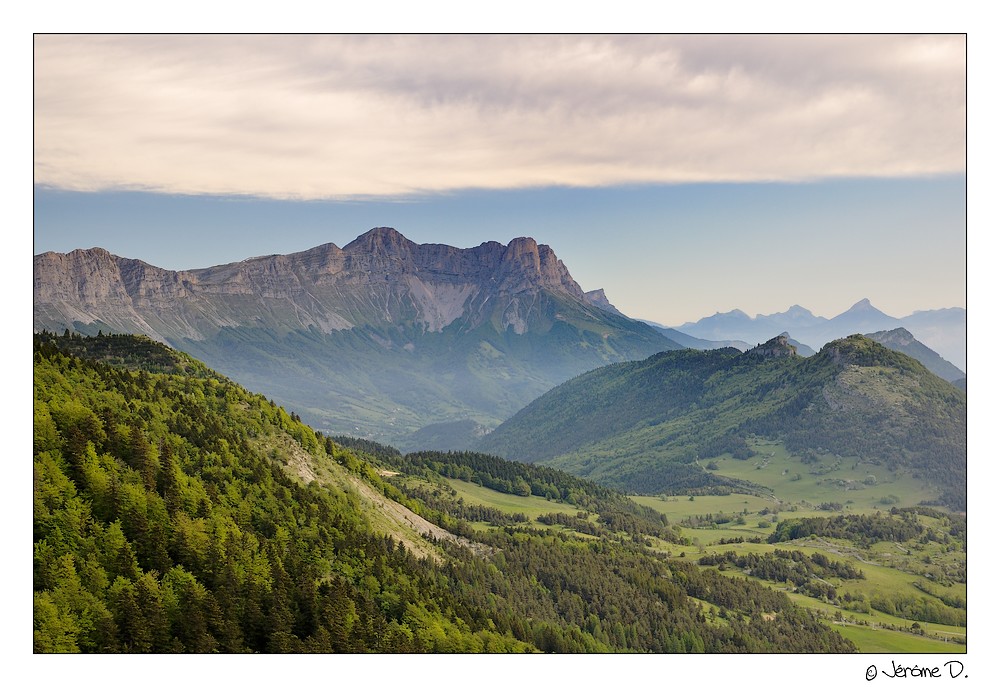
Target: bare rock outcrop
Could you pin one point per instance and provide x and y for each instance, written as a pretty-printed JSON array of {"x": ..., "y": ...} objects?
[{"x": 381, "y": 277}]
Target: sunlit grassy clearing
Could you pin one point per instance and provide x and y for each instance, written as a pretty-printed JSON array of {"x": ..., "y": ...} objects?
[
  {"x": 876, "y": 640},
  {"x": 531, "y": 506}
]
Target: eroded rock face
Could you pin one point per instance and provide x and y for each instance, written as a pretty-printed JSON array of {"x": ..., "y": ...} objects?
[
  {"x": 778, "y": 347},
  {"x": 381, "y": 277},
  {"x": 377, "y": 339},
  {"x": 600, "y": 299}
]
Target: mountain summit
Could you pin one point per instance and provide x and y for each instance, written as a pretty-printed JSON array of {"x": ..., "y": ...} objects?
[
  {"x": 406, "y": 334},
  {"x": 901, "y": 340},
  {"x": 778, "y": 347}
]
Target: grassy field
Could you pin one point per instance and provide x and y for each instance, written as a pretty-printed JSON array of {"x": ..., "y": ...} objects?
[
  {"x": 879, "y": 580},
  {"x": 876, "y": 632},
  {"x": 678, "y": 507},
  {"x": 860, "y": 487},
  {"x": 793, "y": 493},
  {"x": 531, "y": 506},
  {"x": 878, "y": 641},
  {"x": 890, "y": 568}
]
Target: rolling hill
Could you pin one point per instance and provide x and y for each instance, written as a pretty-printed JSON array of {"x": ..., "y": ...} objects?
[
  {"x": 646, "y": 426},
  {"x": 901, "y": 340}
]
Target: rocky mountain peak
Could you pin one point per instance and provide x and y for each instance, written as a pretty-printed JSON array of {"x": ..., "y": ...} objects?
[
  {"x": 380, "y": 240},
  {"x": 600, "y": 299},
  {"x": 380, "y": 277},
  {"x": 525, "y": 264},
  {"x": 862, "y": 306},
  {"x": 90, "y": 274},
  {"x": 735, "y": 314},
  {"x": 523, "y": 252},
  {"x": 797, "y": 312},
  {"x": 898, "y": 337},
  {"x": 778, "y": 347}
]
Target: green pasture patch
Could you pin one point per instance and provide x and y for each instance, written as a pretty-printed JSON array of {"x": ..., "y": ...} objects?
[
  {"x": 870, "y": 640},
  {"x": 880, "y": 580},
  {"x": 743, "y": 548},
  {"x": 859, "y": 487},
  {"x": 677, "y": 508},
  {"x": 709, "y": 536},
  {"x": 531, "y": 506},
  {"x": 892, "y": 624}
]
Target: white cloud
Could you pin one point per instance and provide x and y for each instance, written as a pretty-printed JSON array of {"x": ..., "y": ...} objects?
[{"x": 336, "y": 116}]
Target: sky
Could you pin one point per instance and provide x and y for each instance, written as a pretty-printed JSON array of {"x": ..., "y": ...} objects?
[{"x": 685, "y": 175}]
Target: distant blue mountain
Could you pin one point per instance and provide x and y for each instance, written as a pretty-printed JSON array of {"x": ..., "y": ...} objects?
[
  {"x": 943, "y": 331},
  {"x": 689, "y": 341}
]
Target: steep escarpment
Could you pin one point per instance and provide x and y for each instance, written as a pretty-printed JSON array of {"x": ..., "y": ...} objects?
[
  {"x": 379, "y": 338},
  {"x": 380, "y": 277}
]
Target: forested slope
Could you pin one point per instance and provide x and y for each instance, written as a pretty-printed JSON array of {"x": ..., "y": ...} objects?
[
  {"x": 176, "y": 512},
  {"x": 643, "y": 426}
]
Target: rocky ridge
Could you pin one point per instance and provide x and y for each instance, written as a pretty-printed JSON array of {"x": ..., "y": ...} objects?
[
  {"x": 377, "y": 339},
  {"x": 380, "y": 277}
]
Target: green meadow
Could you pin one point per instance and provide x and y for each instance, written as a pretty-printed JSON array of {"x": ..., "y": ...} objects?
[
  {"x": 823, "y": 486},
  {"x": 859, "y": 487},
  {"x": 530, "y": 506},
  {"x": 879, "y": 641},
  {"x": 921, "y": 570},
  {"x": 889, "y": 569}
]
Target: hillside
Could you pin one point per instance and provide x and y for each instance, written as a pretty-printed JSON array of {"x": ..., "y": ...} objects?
[
  {"x": 177, "y": 512},
  {"x": 901, "y": 340},
  {"x": 379, "y": 339},
  {"x": 646, "y": 426}
]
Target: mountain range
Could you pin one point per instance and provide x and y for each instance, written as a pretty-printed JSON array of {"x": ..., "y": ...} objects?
[
  {"x": 942, "y": 330},
  {"x": 380, "y": 338}
]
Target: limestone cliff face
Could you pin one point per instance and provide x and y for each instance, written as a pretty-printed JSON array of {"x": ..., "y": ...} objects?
[
  {"x": 379, "y": 278},
  {"x": 379, "y": 338}
]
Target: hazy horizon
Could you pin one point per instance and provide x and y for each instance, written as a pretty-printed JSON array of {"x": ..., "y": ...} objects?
[{"x": 753, "y": 314}]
